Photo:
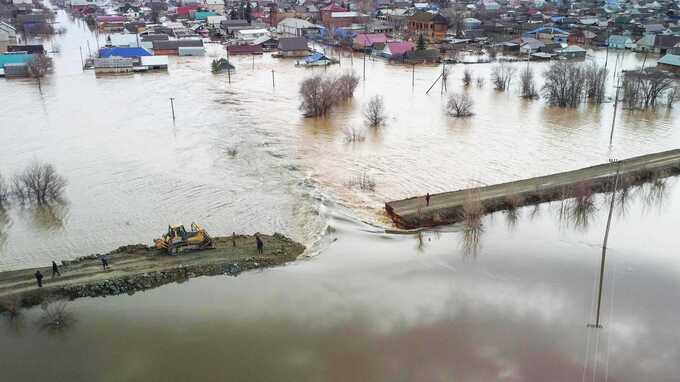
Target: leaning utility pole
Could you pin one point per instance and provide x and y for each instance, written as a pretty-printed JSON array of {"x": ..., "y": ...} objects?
[
  {"x": 604, "y": 244},
  {"x": 616, "y": 103},
  {"x": 172, "y": 107}
]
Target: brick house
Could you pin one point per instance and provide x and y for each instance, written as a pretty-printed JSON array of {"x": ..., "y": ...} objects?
[{"x": 431, "y": 26}]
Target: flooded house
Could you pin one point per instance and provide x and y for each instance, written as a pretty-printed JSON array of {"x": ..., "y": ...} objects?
[
  {"x": 395, "y": 50},
  {"x": 620, "y": 42},
  {"x": 369, "y": 41},
  {"x": 431, "y": 26},
  {"x": 294, "y": 27},
  {"x": 292, "y": 47},
  {"x": 172, "y": 47},
  {"x": 8, "y": 35},
  {"x": 14, "y": 64},
  {"x": 111, "y": 23}
]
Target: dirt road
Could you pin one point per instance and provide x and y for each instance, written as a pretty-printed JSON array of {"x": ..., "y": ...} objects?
[
  {"x": 138, "y": 267},
  {"x": 447, "y": 208}
]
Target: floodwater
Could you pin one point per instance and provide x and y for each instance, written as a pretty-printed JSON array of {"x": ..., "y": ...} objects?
[{"x": 510, "y": 302}]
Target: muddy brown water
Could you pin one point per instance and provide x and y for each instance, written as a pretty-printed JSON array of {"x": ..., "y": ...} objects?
[{"x": 508, "y": 303}]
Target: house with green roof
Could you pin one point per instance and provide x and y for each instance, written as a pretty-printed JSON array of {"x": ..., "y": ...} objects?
[
  {"x": 670, "y": 62},
  {"x": 645, "y": 44},
  {"x": 620, "y": 42},
  {"x": 203, "y": 15},
  {"x": 17, "y": 61}
]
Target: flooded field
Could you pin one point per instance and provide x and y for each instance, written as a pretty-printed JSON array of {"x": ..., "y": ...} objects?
[{"x": 510, "y": 302}]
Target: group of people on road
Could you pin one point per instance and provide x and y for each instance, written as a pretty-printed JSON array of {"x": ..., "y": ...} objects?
[
  {"x": 105, "y": 262},
  {"x": 55, "y": 271}
]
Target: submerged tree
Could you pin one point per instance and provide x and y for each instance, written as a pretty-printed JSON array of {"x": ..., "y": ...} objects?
[
  {"x": 642, "y": 89},
  {"x": 467, "y": 77},
  {"x": 459, "y": 105},
  {"x": 564, "y": 85},
  {"x": 596, "y": 78},
  {"x": 4, "y": 193},
  {"x": 501, "y": 76},
  {"x": 346, "y": 85},
  {"x": 39, "y": 66},
  {"x": 527, "y": 83},
  {"x": 39, "y": 183},
  {"x": 321, "y": 93},
  {"x": 374, "y": 113}
]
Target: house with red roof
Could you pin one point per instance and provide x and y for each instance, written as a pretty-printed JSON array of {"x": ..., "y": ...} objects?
[
  {"x": 327, "y": 11},
  {"x": 397, "y": 49},
  {"x": 364, "y": 41}
]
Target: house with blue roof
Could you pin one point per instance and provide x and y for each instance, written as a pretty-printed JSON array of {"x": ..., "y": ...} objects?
[
  {"x": 549, "y": 34},
  {"x": 125, "y": 52}
]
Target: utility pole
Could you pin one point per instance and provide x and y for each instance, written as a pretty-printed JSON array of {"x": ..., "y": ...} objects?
[
  {"x": 273, "y": 84},
  {"x": 413, "y": 76},
  {"x": 364, "y": 65},
  {"x": 229, "y": 75},
  {"x": 616, "y": 103},
  {"x": 606, "y": 56},
  {"x": 82, "y": 63},
  {"x": 604, "y": 243},
  {"x": 172, "y": 107}
]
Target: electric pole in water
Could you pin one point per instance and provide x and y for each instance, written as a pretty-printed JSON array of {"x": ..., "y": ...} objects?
[
  {"x": 616, "y": 103},
  {"x": 172, "y": 107},
  {"x": 604, "y": 243}
]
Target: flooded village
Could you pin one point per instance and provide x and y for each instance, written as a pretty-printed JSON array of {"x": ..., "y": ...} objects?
[{"x": 339, "y": 190}]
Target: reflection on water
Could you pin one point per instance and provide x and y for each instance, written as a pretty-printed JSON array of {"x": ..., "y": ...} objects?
[
  {"x": 4, "y": 226},
  {"x": 372, "y": 307},
  {"x": 56, "y": 318},
  {"x": 48, "y": 217}
]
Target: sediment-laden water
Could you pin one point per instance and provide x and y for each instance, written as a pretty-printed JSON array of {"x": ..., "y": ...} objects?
[{"x": 510, "y": 302}]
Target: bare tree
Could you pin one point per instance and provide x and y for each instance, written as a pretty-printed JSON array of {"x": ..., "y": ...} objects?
[
  {"x": 596, "y": 78},
  {"x": 480, "y": 82},
  {"x": 39, "y": 183},
  {"x": 455, "y": 18},
  {"x": 672, "y": 96},
  {"x": 467, "y": 77},
  {"x": 643, "y": 88},
  {"x": 317, "y": 96},
  {"x": 346, "y": 85},
  {"x": 364, "y": 182},
  {"x": 39, "y": 66},
  {"x": 527, "y": 83},
  {"x": 501, "y": 76},
  {"x": 459, "y": 105},
  {"x": 4, "y": 193},
  {"x": 564, "y": 85},
  {"x": 354, "y": 135},
  {"x": 374, "y": 113},
  {"x": 321, "y": 93},
  {"x": 492, "y": 53}
]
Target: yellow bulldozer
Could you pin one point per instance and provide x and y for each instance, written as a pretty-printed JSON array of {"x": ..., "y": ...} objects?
[{"x": 178, "y": 239}]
